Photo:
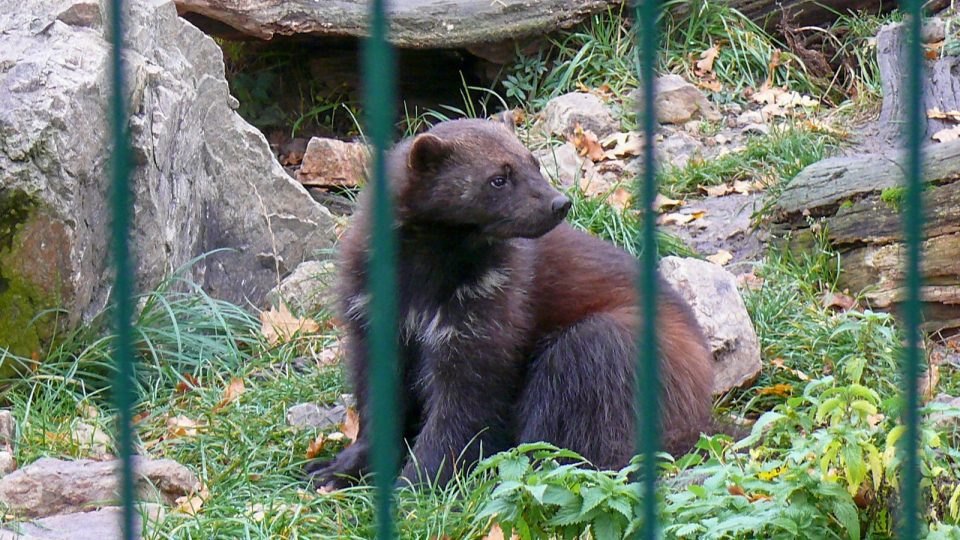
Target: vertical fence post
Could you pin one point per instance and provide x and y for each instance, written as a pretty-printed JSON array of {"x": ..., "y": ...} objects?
[
  {"x": 648, "y": 421},
  {"x": 913, "y": 234},
  {"x": 120, "y": 202},
  {"x": 378, "y": 76}
]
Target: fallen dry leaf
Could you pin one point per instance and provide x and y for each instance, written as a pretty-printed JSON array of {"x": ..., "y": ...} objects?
[
  {"x": 496, "y": 533},
  {"x": 351, "y": 425},
  {"x": 316, "y": 446},
  {"x": 191, "y": 504},
  {"x": 587, "y": 143},
  {"x": 947, "y": 134},
  {"x": 710, "y": 84},
  {"x": 231, "y": 393},
  {"x": 675, "y": 218},
  {"x": 779, "y": 363},
  {"x": 330, "y": 356},
  {"x": 936, "y": 114},
  {"x": 736, "y": 490},
  {"x": 707, "y": 58},
  {"x": 182, "y": 426},
  {"x": 782, "y": 390},
  {"x": 717, "y": 191},
  {"x": 620, "y": 199},
  {"x": 662, "y": 202},
  {"x": 622, "y": 144},
  {"x": 280, "y": 325},
  {"x": 840, "y": 301},
  {"x": 928, "y": 382},
  {"x": 721, "y": 257},
  {"x": 772, "y": 67},
  {"x": 743, "y": 187},
  {"x": 189, "y": 382}
]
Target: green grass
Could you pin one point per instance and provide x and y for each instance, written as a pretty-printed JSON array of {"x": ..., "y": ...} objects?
[{"x": 772, "y": 159}]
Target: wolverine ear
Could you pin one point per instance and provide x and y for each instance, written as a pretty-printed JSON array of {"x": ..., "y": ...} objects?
[
  {"x": 508, "y": 119},
  {"x": 427, "y": 152}
]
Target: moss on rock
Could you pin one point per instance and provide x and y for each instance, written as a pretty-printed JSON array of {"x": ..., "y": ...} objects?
[{"x": 29, "y": 275}]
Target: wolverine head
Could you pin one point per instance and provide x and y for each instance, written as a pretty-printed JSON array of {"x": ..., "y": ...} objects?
[{"x": 477, "y": 173}]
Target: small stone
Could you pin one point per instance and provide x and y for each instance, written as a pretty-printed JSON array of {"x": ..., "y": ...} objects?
[
  {"x": 693, "y": 126},
  {"x": 82, "y": 13},
  {"x": 721, "y": 138},
  {"x": 732, "y": 108},
  {"x": 755, "y": 129},
  {"x": 680, "y": 147},
  {"x": 8, "y": 429},
  {"x": 51, "y": 486},
  {"x": 563, "y": 113},
  {"x": 92, "y": 438},
  {"x": 711, "y": 291},
  {"x": 333, "y": 163},
  {"x": 311, "y": 415},
  {"x": 750, "y": 117},
  {"x": 562, "y": 164},
  {"x": 8, "y": 463},
  {"x": 934, "y": 29},
  {"x": 679, "y": 101},
  {"x": 308, "y": 289}
]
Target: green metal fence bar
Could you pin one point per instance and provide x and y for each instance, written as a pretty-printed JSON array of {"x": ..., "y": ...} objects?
[
  {"x": 913, "y": 230},
  {"x": 120, "y": 202},
  {"x": 648, "y": 428},
  {"x": 378, "y": 76}
]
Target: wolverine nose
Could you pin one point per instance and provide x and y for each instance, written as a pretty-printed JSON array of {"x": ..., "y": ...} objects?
[{"x": 560, "y": 206}]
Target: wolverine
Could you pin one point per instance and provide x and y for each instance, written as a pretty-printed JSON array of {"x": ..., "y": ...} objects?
[{"x": 513, "y": 326}]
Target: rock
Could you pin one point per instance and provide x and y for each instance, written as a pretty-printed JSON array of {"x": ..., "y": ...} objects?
[
  {"x": 101, "y": 524},
  {"x": 333, "y": 163},
  {"x": 679, "y": 148},
  {"x": 562, "y": 164},
  {"x": 934, "y": 29},
  {"x": 563, "y": 113},
  {"x": 750, "y": 117},
  {"x": 52, "y": 486},
  {"x": 204, "y": 179},
  {"x": 726, "y": 225},
  {"x": 8, "y": 438},
  {"x": 311, "y": 415},
  {"x": 308, "y": 289},
  {"x": 712, "y": 293},
  {"x": 413, "y": 23},
  {"x": 92, "y": 439},
  {"x": 857, "y": 200},
  {"x": 755, "y": 129},
  {"x": 679, "y": 101}
]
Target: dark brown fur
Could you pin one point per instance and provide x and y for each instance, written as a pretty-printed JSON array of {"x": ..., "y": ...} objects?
[{"x": 513, "y": 328}]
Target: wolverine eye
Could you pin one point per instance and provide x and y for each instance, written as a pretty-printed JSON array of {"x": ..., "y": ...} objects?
[{"x": 498, "y": 181}]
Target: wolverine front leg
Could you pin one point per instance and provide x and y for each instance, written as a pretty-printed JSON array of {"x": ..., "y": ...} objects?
[{"x": 468, "y": 399}]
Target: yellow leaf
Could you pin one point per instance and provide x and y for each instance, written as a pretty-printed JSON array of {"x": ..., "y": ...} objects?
[
  {"x": 662, "y": 202},
  {"x": 280, "y": 325},
  {"x": 721, "y": 257},
  {"x": 783, "y": 390}
]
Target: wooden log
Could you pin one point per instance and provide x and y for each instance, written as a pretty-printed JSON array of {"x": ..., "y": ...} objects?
[
  {"x": 858, "y": 200},
  {"x": 769, "y": 13},
  {"x": 418, "y": 24}
]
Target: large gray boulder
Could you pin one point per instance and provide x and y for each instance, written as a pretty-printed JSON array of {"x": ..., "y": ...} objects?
[
  {"x": 50, "y": 486},
  {"x": 712, "y": 293},
  {"x": 204, "y": 178}
]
